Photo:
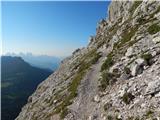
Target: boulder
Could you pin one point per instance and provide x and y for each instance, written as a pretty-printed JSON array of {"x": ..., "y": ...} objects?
[
  {"x": 157, "y": 15},
  {"x": 156, "y": 40},
  {"x": 153, "y": 87},
  {"x": 123, "y": 91},
  {"x": 137, "y": 66},
  {"x": 129, "y": 52},
  {"x": 135, "y": 69},
  {"x": 141, "y": 62},
  {"x": 157, "y": 95}
]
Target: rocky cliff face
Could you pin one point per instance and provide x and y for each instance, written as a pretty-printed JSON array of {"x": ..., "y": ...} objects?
[{"x": 117, "y": 77}]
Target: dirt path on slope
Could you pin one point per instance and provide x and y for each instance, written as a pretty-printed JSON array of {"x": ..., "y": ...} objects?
[{"x": 84, "y": 105}]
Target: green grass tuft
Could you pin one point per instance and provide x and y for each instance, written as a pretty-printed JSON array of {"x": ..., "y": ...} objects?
[
  {"x": 153, "y": 29},
  {"x": 147, "y": 57},
  {"x": 149, "y": 113},
  {"x": 107, "y": 79},
  {"x": 126, "y": 37},
  {"x": 127, "y": 70},
  {"x": 107, "y": 63},
  {"x": 107, "y": 106},
  {"x": 96, "y": 57},
  {"x": 135, "y": 5},
  {"x": 109, "y": 117},
  {"x": 127, "y": 98}
]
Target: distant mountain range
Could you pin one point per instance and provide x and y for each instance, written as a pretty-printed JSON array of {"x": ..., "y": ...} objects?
[
  {"x": 41, "y": 61},
  {"x": 19, "y": 80}
]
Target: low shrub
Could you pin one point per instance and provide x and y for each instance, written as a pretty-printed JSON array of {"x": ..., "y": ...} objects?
[
  {"x": 126, "y": 37},
  {"x": 96, "y": 58},
  {"x": 141, "y": 20},
  {"x": 107, "y": 63},
  {"x": 147, "y": 57},
  {"x": 109, "y": 117},
  {"x": 64, "y": 113},
  {"x": 149, "y": 113},
  {"x": 153, "y": 29},
  {"x": 135, "y": 5},
  {"x": 107, "y": 79},
  {"x": 107, "y": 106},
  {"x": 127, "y": 70},
  {"x": 127, "y": 98}
]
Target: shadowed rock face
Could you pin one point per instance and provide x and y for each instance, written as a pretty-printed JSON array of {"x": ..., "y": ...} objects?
[{"x": 115, "y": 77}]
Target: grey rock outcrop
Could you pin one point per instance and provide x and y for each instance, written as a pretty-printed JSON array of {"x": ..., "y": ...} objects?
[
  {"x": 153, "y": 86},
  {"x": 137, "y": 66}
]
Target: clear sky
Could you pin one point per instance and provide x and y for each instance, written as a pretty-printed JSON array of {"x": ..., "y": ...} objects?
[{"x": 51, "y": 28}]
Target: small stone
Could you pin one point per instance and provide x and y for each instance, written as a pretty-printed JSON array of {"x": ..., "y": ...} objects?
[
  {"x": 154, "y": 53},
  {"x": 119, "y": 116},
  {"x": 131, "y": 106},
  {"x": 157, "y": 95},
  {"x": 143, "y": 105},
  {"x": 136, "y": 101},
  {"x": 104, "y": 118},
  {"x": 130, "y": 83},
  {"x": 55, "y": 101},
  {"x": 97, "y": 98},
  {"x": 90, "y": 118}
]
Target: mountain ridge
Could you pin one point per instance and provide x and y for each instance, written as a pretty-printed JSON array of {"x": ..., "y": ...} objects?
[
  {"x": 41, "y": 61},
  {"x": 115, "y": 77},
  {"x": 19, "y": 80}
]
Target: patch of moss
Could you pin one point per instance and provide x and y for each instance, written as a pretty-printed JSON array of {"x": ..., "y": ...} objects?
[
  {"x": 127, "y": 97},
  {"x": 154, "y": 28}
]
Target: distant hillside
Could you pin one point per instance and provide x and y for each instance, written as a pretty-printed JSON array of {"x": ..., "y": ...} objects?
[
  {"x": 19, "y": 80},
  {"x": 41, "y": 61}
]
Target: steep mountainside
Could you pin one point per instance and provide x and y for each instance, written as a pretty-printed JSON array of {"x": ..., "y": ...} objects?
[
  {"x": 18, "y": 81},
  {"x": 116, "y": 77}
]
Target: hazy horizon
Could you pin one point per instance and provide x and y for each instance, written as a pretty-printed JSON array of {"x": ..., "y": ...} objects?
[
  {"x": 49, "y": 28},
  {"x": 29, "y": 54}
]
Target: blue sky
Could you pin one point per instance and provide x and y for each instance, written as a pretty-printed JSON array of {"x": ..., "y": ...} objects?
[{"x": 51, "y": 28}]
